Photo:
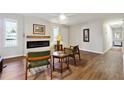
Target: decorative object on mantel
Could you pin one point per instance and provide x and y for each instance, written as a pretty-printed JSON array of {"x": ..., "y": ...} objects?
[
  {"x": 29, "y": 36},
  {"x": 86, "y": 35},
  {"x": 38, "y": 29}
]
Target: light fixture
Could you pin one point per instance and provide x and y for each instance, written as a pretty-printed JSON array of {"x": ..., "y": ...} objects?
[{"x": 62, "y": 17}]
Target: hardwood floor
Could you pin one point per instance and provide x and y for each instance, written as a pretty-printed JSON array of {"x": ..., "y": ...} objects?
[{"x": 91, "y": 67}]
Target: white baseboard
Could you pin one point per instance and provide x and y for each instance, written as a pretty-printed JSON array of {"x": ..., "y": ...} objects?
[
  {"x": 13, "y": 56},
  {"x": 98, "y": 52},
  {"x": 106, "y": 50}
]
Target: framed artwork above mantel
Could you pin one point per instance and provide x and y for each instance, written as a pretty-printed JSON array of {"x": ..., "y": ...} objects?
[
  {"x": 39, "y": 29},
  {"x": 86, "y": 35}
]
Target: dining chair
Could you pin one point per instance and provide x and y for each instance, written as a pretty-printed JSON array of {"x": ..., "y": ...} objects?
[
  {"x": 73, "y": 51},
  {"x": 38, "y": 59},
  {"x": 58, "y": 47},
  {"x": 76, "y": 50}
]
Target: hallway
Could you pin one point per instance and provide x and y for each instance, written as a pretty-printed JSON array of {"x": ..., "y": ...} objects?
[{"x": 91, "y": 67}]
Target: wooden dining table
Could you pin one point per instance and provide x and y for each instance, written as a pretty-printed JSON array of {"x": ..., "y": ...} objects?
[{"x": 63, "y": 57}]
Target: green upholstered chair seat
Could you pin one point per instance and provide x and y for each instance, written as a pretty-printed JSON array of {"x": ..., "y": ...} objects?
[{"x": 38, "y": 63}]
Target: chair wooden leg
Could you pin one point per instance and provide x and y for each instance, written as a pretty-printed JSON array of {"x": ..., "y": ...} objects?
[
  {"x": 47, "y": 65},
  {"x": 26, "y": 71},
  {"x": 59, "y": 60},
  {"x": 53, "y": 63},
  {"x": 26, "y": 75},
  {"x": 67, "y": 62},
  {"x": 79, "y": 57},
  {"x": 50, "y": 71}
]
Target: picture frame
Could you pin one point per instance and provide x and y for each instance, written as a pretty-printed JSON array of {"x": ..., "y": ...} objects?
[
  {"x": 38, "y": 29},
  {"x": 86, "y": 35}
]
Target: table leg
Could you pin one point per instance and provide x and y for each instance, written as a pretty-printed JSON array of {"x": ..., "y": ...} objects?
[
  {"x": 53, "y": 63},
  {"x": 67, "y": 62},
  {"x": 61, "y": 60}
]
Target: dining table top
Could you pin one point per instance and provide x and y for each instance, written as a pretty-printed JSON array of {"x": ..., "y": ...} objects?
[{"x": 59, "y": 54}]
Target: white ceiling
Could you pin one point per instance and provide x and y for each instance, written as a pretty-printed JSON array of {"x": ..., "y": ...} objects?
[{"x": 76, "y": 18}]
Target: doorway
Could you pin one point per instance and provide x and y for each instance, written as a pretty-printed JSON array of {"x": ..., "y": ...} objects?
[{"x": 117, "y": 36}]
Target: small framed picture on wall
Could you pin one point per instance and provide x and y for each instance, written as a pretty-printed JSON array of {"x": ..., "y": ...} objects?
[
  {"x": 86, "y": 35},
  {"x": 38, "y": 29}
]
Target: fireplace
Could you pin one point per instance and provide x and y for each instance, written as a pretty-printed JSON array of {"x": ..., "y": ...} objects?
[{"x": 37, "y": 44}]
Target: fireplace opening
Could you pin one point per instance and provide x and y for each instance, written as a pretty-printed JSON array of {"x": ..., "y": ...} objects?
[{"x": 36, "y": 44}]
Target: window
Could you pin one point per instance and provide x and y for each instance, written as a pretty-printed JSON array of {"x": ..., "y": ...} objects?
[
  {"x": 55, "y": 32},
  {"x": 10, "y": 33}
]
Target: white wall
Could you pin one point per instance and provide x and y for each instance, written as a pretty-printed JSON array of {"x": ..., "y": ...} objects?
[
  {"x": 1, "y": 32},
  {"x": 14, "y": 51},
  {"x": 28, "y": 25},
  {"x": 64, "y": 32},
  {"x": 123, "y": 42},
  {"x": 74, "y": 35},
  {"x": 96, "y": 36},
  {"x": 107, "y": 37}
]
